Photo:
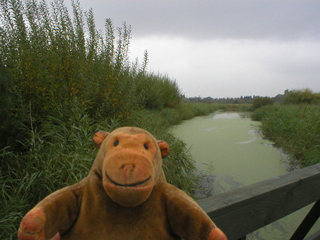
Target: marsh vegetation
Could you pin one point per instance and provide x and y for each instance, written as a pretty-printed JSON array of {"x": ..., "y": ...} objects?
[{"x": 295, "y": 129}]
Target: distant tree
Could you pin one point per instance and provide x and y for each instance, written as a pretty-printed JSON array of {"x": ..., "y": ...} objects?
[
  {"x": 278, "y": 98},
  {"x": 301, "y": 96},
  {"x": 207, "y": 100},
  {"x": 259, "y": 102}
]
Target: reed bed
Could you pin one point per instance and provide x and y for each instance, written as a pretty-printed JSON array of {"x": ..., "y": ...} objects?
[{"x": 293, "y": 128}]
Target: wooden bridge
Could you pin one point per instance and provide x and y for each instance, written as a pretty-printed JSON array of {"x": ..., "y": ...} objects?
[{"x": 247, "y": 209}]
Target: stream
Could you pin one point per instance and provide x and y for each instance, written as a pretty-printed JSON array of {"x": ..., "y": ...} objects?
[{"x": 229, "y": 149}]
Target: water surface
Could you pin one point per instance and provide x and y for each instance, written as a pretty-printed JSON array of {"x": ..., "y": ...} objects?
[
  {"x": 233, "y": 146},
  {"x": 233, "y": 153}
]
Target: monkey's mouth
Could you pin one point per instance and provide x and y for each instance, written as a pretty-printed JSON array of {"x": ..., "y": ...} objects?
[{"x": 127, "y": 185}]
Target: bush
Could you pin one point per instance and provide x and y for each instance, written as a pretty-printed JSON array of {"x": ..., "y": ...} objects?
[
  {"x": 258, "y": 114},
  {"x": 164, "y": 92},
  {"x": 304, "y": 96},
  {"x": 259, "y": 102}
]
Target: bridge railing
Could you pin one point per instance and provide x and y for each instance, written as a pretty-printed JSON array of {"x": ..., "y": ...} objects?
[{"x": 249, "y": 208}]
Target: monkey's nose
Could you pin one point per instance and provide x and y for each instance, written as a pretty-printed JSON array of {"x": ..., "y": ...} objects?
[
  {"x": 128, "y": 166},
  {"x": 128, "y": 171}
]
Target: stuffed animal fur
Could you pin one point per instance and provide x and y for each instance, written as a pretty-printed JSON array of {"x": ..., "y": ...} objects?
[{"x": 124, "y": 197}]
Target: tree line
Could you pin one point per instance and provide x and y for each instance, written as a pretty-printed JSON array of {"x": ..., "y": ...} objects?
[{"x": 297, "y": 96}]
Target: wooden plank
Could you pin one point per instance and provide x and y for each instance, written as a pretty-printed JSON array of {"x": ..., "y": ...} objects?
[
  {"x": 307, "y": 223},
  {"x": 247, "y": 209},
  {"x": 315, "y": 236}
]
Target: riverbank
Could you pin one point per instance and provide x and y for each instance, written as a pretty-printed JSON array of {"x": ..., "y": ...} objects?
[{"x": 293, "y": 128}]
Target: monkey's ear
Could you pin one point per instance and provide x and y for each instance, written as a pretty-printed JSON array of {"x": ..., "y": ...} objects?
[
  {"x": 164, "y": 148},
  {"x": 99, "y": 137}
]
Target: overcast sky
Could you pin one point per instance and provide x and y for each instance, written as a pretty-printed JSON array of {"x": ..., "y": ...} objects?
[{"x": 223, "y": 48}]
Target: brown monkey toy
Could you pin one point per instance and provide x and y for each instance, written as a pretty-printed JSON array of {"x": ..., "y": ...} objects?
[{"x": 124, "y": 197}]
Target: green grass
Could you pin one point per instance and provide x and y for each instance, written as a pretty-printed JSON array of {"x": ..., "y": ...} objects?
[{"x": 294, "y": 128}]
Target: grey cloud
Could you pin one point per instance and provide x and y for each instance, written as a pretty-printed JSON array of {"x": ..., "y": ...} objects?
[
  {"x": 232, "y": 47},
  {"x": 286, "y": 19}
]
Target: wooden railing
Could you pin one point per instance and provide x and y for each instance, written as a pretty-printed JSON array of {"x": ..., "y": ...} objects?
[{"x": 247, "y": 209}]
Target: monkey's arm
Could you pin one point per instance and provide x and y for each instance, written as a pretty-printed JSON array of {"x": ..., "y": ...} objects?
[
  {"x": 55, "y": 213},
  {"x": 188, "y": 220}
]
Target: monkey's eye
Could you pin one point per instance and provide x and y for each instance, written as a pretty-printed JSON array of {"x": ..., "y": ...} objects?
[
  {"x": 116, "y": 143},
  {"x": 146, "y": 146}
]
